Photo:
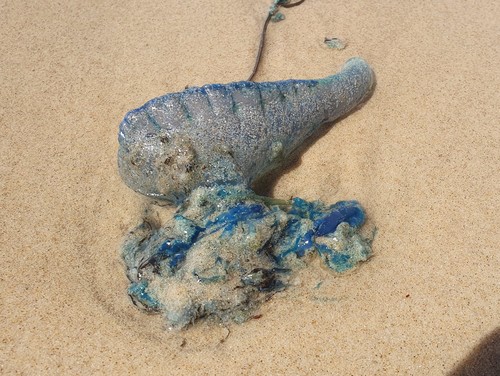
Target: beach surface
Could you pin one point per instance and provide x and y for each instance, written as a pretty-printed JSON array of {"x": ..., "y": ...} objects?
[{"x": 422, "y": 156}]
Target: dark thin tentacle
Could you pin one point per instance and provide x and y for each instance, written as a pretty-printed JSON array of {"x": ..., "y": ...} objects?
[
  {"x": 261, "y": 47},
  {"x": 291, "y": 5},
  {"x": 263, "y": 37}
]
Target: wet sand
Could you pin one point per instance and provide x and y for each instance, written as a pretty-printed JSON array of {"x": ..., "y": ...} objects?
[{"x": 422, "y": 156}]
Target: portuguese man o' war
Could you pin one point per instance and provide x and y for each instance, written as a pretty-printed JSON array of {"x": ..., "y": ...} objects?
[{"x": 227, "y": 248}]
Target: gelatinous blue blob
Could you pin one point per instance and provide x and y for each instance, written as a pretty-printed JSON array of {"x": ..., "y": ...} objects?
[
  {"x": 137, "y": 291},
  {"x": 340, "y": 262},
  {"x": 240, "y": 213},
  {"x": 175, "y": 249},
  {"x": 304, "y": 209},
  {"x": 305, "y": 242},
  {"x": 299, "y": 235},
  {"x": 343, "y": 211}
]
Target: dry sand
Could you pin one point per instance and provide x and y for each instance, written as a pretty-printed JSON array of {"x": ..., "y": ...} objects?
[{"x": 422, "y": 156}]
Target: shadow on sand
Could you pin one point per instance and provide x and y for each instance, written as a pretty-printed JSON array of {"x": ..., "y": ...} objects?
[{"x": 483, "y": 360}]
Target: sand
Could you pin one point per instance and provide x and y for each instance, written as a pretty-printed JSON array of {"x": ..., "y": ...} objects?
[{"x": 422, "y": 156}]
